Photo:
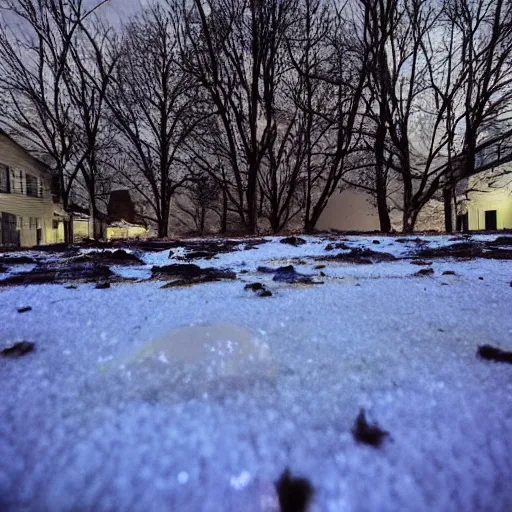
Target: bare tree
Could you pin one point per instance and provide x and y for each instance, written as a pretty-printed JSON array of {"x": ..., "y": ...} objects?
[
  {"x": 88, "y": 77},
  {"x": 332, "y": 74},
  {"x": 413, "y": 93},
  {"x": 152, "y": 106},
  {"x": 484, "y": 29},
  {"x": 229, "y": 47},
  {"x": 197, "y": 199},
  {"x": 36, "y": 40}
]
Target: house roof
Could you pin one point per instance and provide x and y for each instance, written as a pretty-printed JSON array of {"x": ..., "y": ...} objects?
[{"x": 25, "y": 150}]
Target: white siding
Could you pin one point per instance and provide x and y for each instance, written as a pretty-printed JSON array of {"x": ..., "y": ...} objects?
[{"x": 39, "y": 209}]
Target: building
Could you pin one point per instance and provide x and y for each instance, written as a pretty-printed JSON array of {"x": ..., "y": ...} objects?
[
  {"x": 355, "y": 210},
  {"x": 487, "y": 204},
  {"x": 123, "y": 221},
  {"x": 484, "y": 203},
  {"x": 121, "y": 207},
  {"x": 28, "y": 214}
]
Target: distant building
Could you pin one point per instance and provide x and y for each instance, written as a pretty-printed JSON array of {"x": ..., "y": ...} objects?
[
  {"x": 121, "y": 207},
  {"x": 83, "y": 228},
  {"x": 122, "y": 220}
]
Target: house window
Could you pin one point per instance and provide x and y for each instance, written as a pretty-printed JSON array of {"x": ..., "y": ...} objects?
[
  {"x": 5, "y": 181},
  {"x": 19, "y": 179},
  {"x": 55, "y": 224},
  {"x": 32, "y": 186}
]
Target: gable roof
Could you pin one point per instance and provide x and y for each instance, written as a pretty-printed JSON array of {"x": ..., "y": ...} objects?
[{"x": 25, "y": 150}]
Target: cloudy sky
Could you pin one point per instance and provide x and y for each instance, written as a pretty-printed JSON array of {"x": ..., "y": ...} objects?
[{"x": 121, "y": 9}]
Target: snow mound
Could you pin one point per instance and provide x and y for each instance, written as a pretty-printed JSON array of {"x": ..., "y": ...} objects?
[{"x": 193, "y": 360}]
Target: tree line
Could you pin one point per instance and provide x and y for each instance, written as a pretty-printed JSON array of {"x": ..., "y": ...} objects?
[{"x": 258, "y": 111}]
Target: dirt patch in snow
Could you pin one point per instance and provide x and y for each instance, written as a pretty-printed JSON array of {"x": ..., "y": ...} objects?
[
  {"x": 18, "y": 349},
  {"x": 502, "y": 241},
  {"x": 50, "y": 273},
  {"x": 494, "y": 354},
  {"x": 294, "y": 493},
  {"x": 288, "y": 274},
  {"x": 340, "y": 246},
  {"x": 367, "y": 433},
  {"x": 17, "y": 260},
  {"x": 359, "y": 256},
  {"x": 117, "y": 257},
  {"x": 468, "y": 250},
  {"x": 187, "y": 274},
  {"x": 293, "y": 240}
]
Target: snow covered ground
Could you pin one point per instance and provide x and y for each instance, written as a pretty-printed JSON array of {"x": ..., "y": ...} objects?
[{"x": 101, "y": 417}]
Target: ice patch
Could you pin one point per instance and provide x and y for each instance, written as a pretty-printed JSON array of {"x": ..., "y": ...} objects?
[
  {"x": 182, "y": 477},
  {"x": 240, "y": 481}
]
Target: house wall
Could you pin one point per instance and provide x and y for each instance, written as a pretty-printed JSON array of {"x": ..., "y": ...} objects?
[
  {"x": 81, "y": 229},
  {"x": 31, "y": 212},
  {"x": 114, "y": 232},
  {"x": 55, "y": 235},
  {"x": 490, "y": 198}
]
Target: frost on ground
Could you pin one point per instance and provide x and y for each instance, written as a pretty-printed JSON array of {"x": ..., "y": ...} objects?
[{"x": 198, "y": 397}]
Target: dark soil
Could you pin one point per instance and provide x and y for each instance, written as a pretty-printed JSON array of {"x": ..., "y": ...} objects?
[
  {"x": 503, "y": 241},
  {"x": 195, "y": 255},
  {"x": 17, "y": 260},
  {"x": 259, "y": 289},
  {"x": 359, "y": 256},
  {"x": 494, "y": 354},
  {"x": 207, "y": 249},
  {"x": 18, "y": 349},
  {"x": 418, "y": 241},
  {"x": 421, "y": 262},
  {"x": 118, "y": 257},
  {"x": 425, "y": 272},
  {"x": 61, "y": 273},
  {"x": 468, "y": 250},
  {"x": 183, "y": 274},
  {"x": 294, "y": 493},
  {"x": 288, "y": 274},
  {"x": 365, "y": 433},
  {"x": 293, "y": 240},
  {"x": 340, "y": 246}
]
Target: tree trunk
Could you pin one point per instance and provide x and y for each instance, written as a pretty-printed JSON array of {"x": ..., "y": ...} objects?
[
  {"x": 93, "y": 214},
  {"x": 202, "y": 220},
  {"x": 309, "y": 226},
  {"x": 68, "y": 224},
  {"x": 68, "y": 230},
  {"x": 448, "y": 209},
  {"x": 409, "y": 219},
  {"x": 382, "y": 207},
  {"x": 252, "y": 207},
  {"x": 163, "y": 224},
  {"x": 163, "y": 228},
  {"x": 224, "y": 216}
]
